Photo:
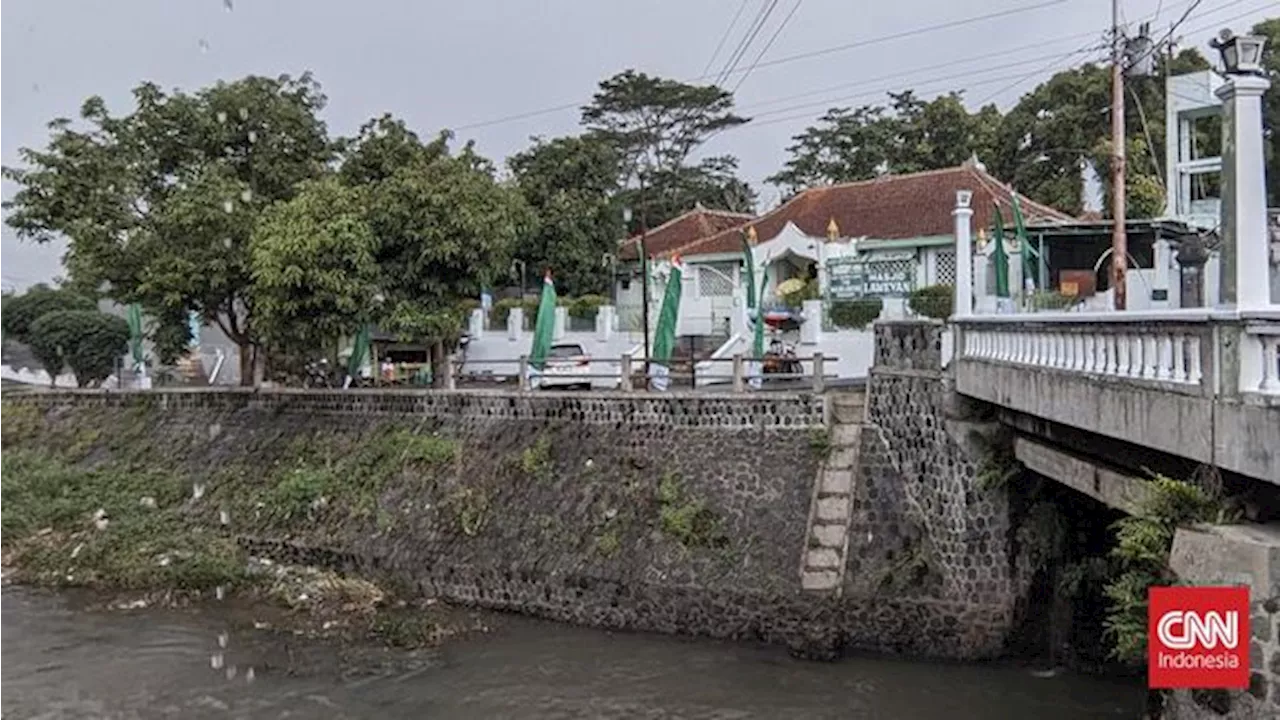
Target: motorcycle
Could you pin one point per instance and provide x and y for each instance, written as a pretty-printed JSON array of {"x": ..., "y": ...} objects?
[{"x": 781, "y": 359}]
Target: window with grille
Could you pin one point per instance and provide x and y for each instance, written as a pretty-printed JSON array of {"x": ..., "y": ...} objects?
[
  {"x": 945, "y": 268},
  {"x": 716, "y": 279}
]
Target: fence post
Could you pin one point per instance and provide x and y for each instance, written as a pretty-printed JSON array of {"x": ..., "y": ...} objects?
[
  {"x": 624, "y": 374},
  {"x": 524, "y": 372},
  {"x": 450, "y": 373},
  {"x": 819, "y": 373},
  {"x": 737, "y": 373}
]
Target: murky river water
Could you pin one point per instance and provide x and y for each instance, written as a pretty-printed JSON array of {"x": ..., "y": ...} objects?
[{"x": 61, "y": 660}]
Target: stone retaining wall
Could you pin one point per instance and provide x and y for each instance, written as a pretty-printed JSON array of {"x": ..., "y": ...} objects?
[{"x": 591, "y": 534}]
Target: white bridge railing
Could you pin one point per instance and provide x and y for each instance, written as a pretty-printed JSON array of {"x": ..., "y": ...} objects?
[{"x": 1180, "y": 348}]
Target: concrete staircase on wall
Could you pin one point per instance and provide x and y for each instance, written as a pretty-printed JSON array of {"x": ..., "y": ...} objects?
[{"x": 827, "y": 538}]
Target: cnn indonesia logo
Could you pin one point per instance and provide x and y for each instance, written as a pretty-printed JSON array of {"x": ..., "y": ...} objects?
[{"x": 1197, "y": 637}]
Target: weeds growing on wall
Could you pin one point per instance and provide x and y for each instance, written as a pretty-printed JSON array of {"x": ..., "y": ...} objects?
[
  {"x": 685, "y": 518},
  {"x": 535, "y": 460},
  {"x": 1141, "y": 559},
  {"x": 109, "y": 527},
  {"x": 999, "y": 467}
]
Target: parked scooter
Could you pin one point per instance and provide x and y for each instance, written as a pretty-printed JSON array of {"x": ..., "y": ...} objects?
[{"x": 781, "y": 359}]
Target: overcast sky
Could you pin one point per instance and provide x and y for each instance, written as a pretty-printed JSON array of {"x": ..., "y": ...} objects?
[{"x": 451, "y": 64}]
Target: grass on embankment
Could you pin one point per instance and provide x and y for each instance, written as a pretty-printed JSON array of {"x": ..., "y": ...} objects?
[
  {"x": 107, "y": 527},
  {"x": 115, "y": 501}
]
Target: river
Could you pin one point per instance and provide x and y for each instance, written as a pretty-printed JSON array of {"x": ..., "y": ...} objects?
[{"x": 63, "y": 659}]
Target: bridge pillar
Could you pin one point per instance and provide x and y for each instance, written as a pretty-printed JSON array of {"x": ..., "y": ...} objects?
[{"x": 1246, "y": 261}]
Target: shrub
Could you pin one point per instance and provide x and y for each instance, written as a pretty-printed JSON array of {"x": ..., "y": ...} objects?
[
  {"x": 1141, "y": 556},
  {"x": 856, "y": 314},
  {"x": 934, "y": 301},
  {"x": 89, "y": 342},
  {"x": 1049, "y": 300},
  {"x": 586, "y": 306},
  {"x": 21, "y": 311},
  {"x": 502, "y": 308}
]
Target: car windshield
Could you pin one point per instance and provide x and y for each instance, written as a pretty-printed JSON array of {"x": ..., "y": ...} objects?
[{"x": 566, "y": 351}]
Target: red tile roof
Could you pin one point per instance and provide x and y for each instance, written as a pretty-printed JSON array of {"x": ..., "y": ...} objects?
[
  {"x": 885, "y": 208},
  {"x": 681, "y": 231}
]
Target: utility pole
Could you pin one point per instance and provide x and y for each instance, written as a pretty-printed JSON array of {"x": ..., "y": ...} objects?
[{"x": 1119, "y": 240}]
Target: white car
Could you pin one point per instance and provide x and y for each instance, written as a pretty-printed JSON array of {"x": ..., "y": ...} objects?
[{"x": 567, "y": 366}]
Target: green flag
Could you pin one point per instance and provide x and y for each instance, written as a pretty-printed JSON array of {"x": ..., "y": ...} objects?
[
  {"x": 359, "y": 352},
  {"x": 544, "y": 327},
  {"x": 1001, "y": 258},
  {"x": 664, "y": 335},
  {"x": 1024, "y": 246},
  {"x": 135, "y": 334}
]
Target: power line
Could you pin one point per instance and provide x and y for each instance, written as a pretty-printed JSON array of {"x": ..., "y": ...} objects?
[
  {"x": 750, "y": 37},
  {"x": 952, "y": 76},
  {"x": 791, "y": 58},
  {"x": 935, "y": 66},
  {"x": 727, "y": 32},
  {"x": 767, "y": 45}
]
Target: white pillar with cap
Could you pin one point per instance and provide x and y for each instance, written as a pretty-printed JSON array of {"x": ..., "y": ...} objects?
[
  {"x": 1246, "y": 262},
  {"x": 963, "y": 305}
]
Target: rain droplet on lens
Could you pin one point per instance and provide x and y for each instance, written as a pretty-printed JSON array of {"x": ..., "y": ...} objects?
[
  {"x": 253, "y": 136},
  {"x": 222, "y": 116},
  {"x": 244, "y": 113},
  {"x": 227, "y": 242},
  {"x": 197, "y": 489},
  {"x": 215, "y": 661},
  {"x": 204, "y": 46},
  {"x": 231, "y": 672},
  {"x": 249, "y": 675},
  {"x": 227, "y": 206},
  {"x": 35, "y": 87},
  {"x": 224, "y": 517},
  {"x": 220, "y": 592},
  {"x": 222, "y": 640},
  {"x": 227, "y": 4},
  {"x": 246, "y": 195}
]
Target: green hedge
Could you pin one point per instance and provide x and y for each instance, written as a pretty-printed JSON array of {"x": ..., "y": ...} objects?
[
  {"x": 934, "y": 301},
  {"x": 856, "y": 314}
]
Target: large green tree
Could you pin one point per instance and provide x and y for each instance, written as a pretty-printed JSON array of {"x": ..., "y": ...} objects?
[
  {"x": 1065, "y": 122},
  {"x": 445, "y": 227},
  {"x": 657, "y": 125},
  {"x": 314, "y": 271},
  {"x": 571, "y": 184},
  {"x": 21, "y": 311},
  {"x": 157, "y": 205},
  {"x": 907, "y": 135}
]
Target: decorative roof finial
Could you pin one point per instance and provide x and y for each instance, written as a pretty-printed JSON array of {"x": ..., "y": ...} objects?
[
  {"x": 752, "y": 238},
  {"x": 833, "y": 230}
]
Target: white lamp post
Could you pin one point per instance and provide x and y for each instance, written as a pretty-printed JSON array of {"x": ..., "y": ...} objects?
[
  {"x": 963, "y": 305},
  {"x": 1245, "y": 263}
]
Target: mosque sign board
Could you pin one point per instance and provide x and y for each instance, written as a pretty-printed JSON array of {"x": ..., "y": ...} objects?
[{"x": 881, "y": 274}]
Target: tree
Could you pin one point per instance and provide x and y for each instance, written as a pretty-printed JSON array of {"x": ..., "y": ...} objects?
[
  {"x": 570, "y": 184},
  {"x": 158, "y": 205},
  {"x": 445, "y": 228},
  {"x": 313, "y": 266},
  {"x": 88, "y": 341},
  {"x": 21, "y": 311},
  {"x": 656, "y": 124},
  {"x": 1060, "y": 125},
  {"x": 909, "y": 135}
]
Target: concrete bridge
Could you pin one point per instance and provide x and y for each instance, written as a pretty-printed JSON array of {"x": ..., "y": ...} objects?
[{"x": 1197, "y": 385}]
